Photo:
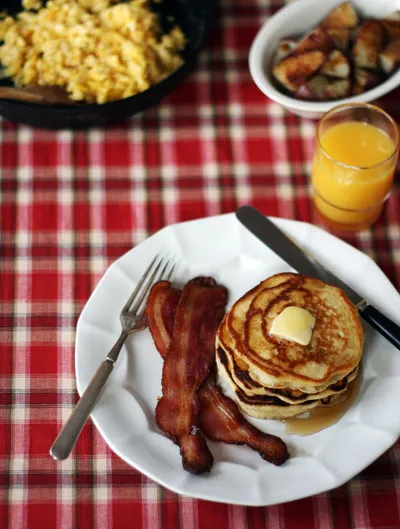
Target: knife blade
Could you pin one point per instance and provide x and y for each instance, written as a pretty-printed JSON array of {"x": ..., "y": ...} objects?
[{"x": 302, "y": 261}]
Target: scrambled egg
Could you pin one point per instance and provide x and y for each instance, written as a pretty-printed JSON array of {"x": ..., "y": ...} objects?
[{"x": 97, "y": 50}]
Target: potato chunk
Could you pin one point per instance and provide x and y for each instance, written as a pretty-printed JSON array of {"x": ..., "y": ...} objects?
[
  {"x": 340, "y": 37},
  {"x": 316, "y": 40},
  {"x": 337, "y": 65},
  {"x": 285, "y": 46},
  {"x": 293, "y": 71},
  {"x": 321, "y": 88},
  {"x": 390, "y": 57},
  {"x": 343, "y": 16},
  {"x": 368, "y": 45}
]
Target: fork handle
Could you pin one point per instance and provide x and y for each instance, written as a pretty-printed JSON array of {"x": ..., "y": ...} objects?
[{"x": 68, "y": 436}]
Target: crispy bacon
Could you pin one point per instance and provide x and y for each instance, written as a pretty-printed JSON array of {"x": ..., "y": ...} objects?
[
  {"x": 188, "y": 361},
  {"x": 160, "y": 312},
  {"x": 219, "y": 418},
  {"x": 196, "y": 456}
]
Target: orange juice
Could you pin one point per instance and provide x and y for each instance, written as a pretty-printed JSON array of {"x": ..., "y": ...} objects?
[{"x": 352, "y": 173}]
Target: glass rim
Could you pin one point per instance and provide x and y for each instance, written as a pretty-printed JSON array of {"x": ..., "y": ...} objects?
[{"x": 360, "y": 105}]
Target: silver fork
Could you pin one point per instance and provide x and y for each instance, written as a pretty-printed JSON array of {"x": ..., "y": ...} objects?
[{"x": 133, "y": 319}]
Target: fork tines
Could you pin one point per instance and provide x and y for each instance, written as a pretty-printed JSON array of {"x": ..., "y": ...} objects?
[{"x": 159, "y": 268}]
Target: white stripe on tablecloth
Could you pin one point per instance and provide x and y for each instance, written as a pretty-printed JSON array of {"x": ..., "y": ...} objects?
[
  {"x": 97, "y": 200},
  {"x": 169, "y": 166},
  {"x": 151, "y": 507},
  {"x": 277, "y": 133},
  {"x": 138, "y": 176},
  {"x": 188, "y": 513},
  {"x": 237, "y": 517},
  {"x": 66, "y": 491},
  {"x": 275, "y": 518},
  {"x": 322, "y": 511},
  {"x": 237, "y": 133},
  {"x": 208, "y": 140},
  {"x": 102, "y": 492},
  {"x": 358, "y": 500},
  {"x": 98, "y": 241},
  {"x": 19, "y": 456}
]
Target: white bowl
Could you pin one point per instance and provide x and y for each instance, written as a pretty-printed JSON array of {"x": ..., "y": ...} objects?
[{"x": 298, "y": 18}]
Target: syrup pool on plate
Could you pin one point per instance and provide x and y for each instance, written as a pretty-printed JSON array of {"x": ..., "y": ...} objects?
[
  {"x": 323, "y": 416},
  {"x": 354, "y": 163}
]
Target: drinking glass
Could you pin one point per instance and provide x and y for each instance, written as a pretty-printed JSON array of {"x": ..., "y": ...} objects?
[{"x": 351, "y": 196}]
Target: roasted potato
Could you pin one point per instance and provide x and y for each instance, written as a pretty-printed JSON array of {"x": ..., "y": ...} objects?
[
  {"x": 392, "y": 29},
  {"x": 336, "y": 65},
  {"x": 285, "y": 46},
  {"x": 368, "y": 45},
  {"x": 321, "y": 88},
  {"x": 340, "y": 37},
  {"x": 314, "y": 89},
  {"x": 294, "y": 70},
  {"x": 365, "y": 79},
  {"x": 338, "y": 89},
  {"x": 316, "y": 40},
  {"x": 343, "y": 16},
  {"x": 390, "y": 57},
  {"x": 342, "y": 56}
]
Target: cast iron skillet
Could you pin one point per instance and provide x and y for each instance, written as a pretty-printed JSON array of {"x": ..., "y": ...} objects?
[{"x": 194, "y": 17}]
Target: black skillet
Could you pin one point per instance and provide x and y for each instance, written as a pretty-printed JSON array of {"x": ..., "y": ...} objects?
[{"x": 194, "y": 17}]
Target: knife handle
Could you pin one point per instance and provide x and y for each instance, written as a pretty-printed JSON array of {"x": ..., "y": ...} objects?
[{"x": 382, "y": 324}]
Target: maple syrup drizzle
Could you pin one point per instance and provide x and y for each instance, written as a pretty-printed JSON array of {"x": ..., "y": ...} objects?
[{"x": 322, "y": 417}]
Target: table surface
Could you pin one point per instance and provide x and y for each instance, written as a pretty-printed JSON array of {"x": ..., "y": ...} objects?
[{"x": 71, "y": 203}]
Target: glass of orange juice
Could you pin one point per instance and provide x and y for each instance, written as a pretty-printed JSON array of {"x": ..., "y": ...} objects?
[{"x": 354, "y": 162}]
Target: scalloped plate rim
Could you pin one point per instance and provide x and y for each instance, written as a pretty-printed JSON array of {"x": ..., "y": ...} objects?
[{"x": 293, "y": 226}]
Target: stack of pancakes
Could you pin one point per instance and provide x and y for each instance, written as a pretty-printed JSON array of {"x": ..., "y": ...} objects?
[{"x": 274, "y": 377}]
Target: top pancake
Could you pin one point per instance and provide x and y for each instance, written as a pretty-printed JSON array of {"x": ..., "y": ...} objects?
[{"x": 334, "y": 350}]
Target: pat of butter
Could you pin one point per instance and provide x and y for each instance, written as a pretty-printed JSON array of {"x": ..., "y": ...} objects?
[{"x": 294, "y": 323}]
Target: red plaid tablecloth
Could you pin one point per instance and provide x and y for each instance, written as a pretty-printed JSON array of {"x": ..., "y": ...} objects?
[{"x": 71, "y": 203}]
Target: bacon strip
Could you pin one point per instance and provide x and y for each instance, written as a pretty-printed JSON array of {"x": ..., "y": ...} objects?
[
  {"x": 219, "y": 418},
  {"x": 160, "y": 312},
  {"x": 190, "y": 356}
]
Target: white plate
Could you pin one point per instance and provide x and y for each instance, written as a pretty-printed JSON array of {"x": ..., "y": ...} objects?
[{"x": 221, "y": 247}]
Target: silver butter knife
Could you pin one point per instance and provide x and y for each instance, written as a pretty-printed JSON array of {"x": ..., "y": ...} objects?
[{"x": 306, "y": 264}]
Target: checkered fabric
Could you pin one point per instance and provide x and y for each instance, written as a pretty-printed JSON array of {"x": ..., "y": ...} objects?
[{"x": 70, "y": 204}]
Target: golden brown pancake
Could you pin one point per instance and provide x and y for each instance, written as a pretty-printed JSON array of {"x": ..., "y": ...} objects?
[
  {"x": 335, "y": 348},
  {"x": 274, "y": 377},
  {"x": 272, "y": 407},
  {"x": 240, "y": 378}
]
